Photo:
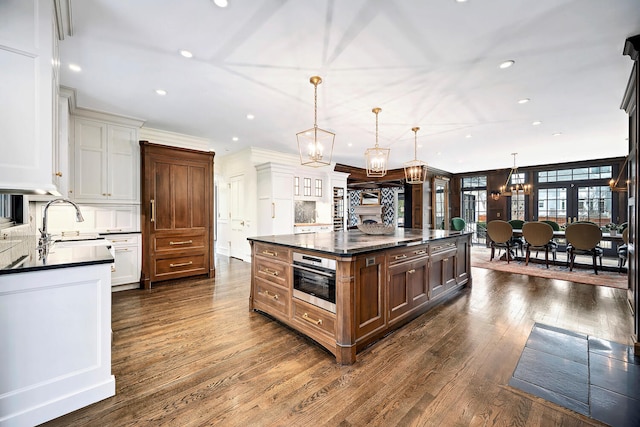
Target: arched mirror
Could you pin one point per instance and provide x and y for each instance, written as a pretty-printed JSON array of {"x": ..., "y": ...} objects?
[{"x": 440, "y": 203}]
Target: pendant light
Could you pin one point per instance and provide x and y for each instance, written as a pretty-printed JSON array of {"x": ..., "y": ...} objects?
[
  {"x": 415, "y": 171},
  {"x": 377, "y": 158},
  {"x": 315, "y": 144},
  {"x": 514, "y": 188}
]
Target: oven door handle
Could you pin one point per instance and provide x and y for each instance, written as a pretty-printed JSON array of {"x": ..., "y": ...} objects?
[{"x": 311, "y": 270}]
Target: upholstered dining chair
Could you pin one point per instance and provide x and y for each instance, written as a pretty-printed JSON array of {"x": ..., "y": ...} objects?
[
  {"x": 457, "y": 223},
  {"x": 623, "y": 250},
  {"x": 517, "y": 241},
  {"x": 583, "y": 239},
  {"x": 538, "y": 236},
  {"x": 500, "y": 233}
]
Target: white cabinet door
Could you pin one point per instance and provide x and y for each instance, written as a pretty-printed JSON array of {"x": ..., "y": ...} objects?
[
  {"x": 106, "y": 162},
  {"x": 90, "y": 161},
  {"x": 27, "y": 88},
  {"x": 123, "y": 164}
]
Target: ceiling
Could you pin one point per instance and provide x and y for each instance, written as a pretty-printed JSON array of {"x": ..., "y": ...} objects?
[{"x": 432, "y": 64}]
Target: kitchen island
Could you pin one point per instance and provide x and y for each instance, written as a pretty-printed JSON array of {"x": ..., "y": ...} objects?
[
  {"x": 381, "y": 282},
  {"x": 55, "y": 329}
]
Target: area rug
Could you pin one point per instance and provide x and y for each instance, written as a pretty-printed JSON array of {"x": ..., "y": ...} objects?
[
  {"x": 591, "y": 376},
  {"x": 611, "y": 279}
]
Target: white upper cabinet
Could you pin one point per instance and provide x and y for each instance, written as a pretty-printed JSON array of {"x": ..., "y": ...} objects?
[
  {"x": 106, "y": 161},
  {"x": 27, "y": 88}
]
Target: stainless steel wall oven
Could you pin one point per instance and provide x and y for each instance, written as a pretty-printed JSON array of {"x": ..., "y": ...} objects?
[{"x": 314, "y": 280}]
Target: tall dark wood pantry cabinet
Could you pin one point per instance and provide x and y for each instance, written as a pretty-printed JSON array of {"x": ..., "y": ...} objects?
[{"x": 177, "y": 213}]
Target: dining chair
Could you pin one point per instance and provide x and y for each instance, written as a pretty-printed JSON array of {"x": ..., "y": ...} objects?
[
  {"x": 517, "y": 241},
  {"x": 623, "y": 250},
  {"x": 457, "y": 223},
  {"x": 538, "y": 236},
  {"x": 583, "y": 239},
  {"x": 500, "y": 233}
]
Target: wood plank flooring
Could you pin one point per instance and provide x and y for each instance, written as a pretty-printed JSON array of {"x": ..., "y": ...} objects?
[{"x": 190, "y": 353}]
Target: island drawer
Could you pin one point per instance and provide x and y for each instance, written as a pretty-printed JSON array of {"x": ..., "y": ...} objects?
[
  {"x": 272, "y": 251},
  {"x": 271, "y": 297},
  {"x": 408, "y": 253},
  {"x": 274, "y": 272},
  {"x": 314, "y": 318},
  {"x": 437, "y": 248}
]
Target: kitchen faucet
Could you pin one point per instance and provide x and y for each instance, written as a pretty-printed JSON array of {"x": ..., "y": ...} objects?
[{"x": 45, "y": 237}]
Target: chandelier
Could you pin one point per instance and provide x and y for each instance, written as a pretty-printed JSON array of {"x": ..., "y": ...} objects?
[
  {"x": 415, "y": 171},
  {"x": 376, "y": 157},
  {"x": 315, "y": 144},
  {"x": 516, "y": 187}
]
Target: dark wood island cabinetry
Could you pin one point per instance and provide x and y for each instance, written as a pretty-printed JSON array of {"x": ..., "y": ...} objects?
[{"x": 381, "y": 282}]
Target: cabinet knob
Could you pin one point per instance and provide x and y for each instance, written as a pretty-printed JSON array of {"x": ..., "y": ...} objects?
[{"x": 59, "y": 174}]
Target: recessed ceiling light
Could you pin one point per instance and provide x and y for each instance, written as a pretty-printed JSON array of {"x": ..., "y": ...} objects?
[
  {"x": 507, "y": 64},
  {"x": 419, "y": 145},
  {"x": 349, "y": 144},
  {"x": 461, "y": 1},
  {"x": 536, "y": 123},
  {"x": 557, "y": 134},
  {"x": 161, "y": 92},
  {"x": 468, "y": 135},
  {"x": 221, "y": 3},
  {"x": 186, "y": 53},
  {"x": 74, "y": 67},
  {"x": 235, "y": 138},
  {"x": 523, "y": 100},
  {"x": 250, "y": 117},
  {"x": 439, "y": 153}
]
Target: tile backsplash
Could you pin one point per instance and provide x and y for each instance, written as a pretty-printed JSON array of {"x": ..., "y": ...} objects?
[{"x": 305, "y": 212}]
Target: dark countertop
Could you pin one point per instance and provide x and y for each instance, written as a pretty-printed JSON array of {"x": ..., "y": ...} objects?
[
  {"x": 22, "y": 255},
  {"x": 355, "y": 242}
]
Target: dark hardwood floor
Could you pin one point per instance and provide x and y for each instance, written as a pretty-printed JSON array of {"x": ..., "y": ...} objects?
[{"x": 189, "y": 353}]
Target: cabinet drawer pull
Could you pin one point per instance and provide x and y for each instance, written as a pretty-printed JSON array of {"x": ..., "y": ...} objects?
[
  {"x": 185, "y": 242},
  {"x": 270, "y": 271},
  {"x": 111, "y": 230},
  {"x": 266, "y": 252},
  {"x": 270, "y": 295},
  {"x": 306, "y": 317},
  {"x": 400, "y": 256},
  {"x": 122, "y": 250},
  {"x": 420, "y": 252},
  {"x": 413, "y": 270},
  {"x": 152, "y": 208},
  {"x": 118, "y": 240},
  {"x": 59, "y": 174},
  {"x": 181, "y": 264}
]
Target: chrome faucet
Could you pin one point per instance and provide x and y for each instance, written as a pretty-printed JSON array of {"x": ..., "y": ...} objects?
[{"x": 45, "y": 237}]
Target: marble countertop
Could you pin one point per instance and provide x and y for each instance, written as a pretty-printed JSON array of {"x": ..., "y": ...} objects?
[
  {"x": 22, "y": 255},
  {"x": 354, "y": 242}
]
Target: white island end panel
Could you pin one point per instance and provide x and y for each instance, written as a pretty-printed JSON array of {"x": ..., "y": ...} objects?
[{"x": 55, "y": 329}]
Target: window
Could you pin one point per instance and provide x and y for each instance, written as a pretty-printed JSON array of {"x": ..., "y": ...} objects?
[
  {"x": 296, "y": 186},
  {"x": 318, "y": 188},
  {"x": 307, "y": 186},
  {"x": 11, "y": 210},
  {"x": 577, "y": 174}
]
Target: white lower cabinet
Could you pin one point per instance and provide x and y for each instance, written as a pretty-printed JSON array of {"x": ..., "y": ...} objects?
[{"x": 126, "y": 268}]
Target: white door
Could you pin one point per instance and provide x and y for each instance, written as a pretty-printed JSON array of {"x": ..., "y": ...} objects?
[{"x": 238, "y": 245}]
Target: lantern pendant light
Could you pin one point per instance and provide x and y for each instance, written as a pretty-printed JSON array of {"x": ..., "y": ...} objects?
[
  {"x": 377, "y": 158},
  {"x": 415, "y": 171},
  {"x": 315, "y": 145}
]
